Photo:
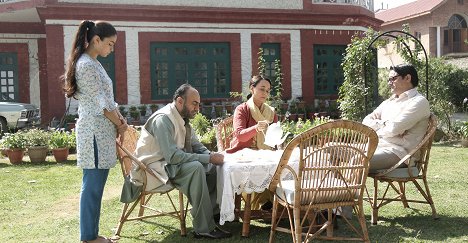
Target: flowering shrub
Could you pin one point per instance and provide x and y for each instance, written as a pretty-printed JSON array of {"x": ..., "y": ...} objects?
[
  {"x": 14, "y": 141},
  {"x": 37, "y": 137}
]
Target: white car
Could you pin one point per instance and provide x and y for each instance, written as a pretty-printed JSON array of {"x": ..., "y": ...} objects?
[{"x": 18, "y": 115}]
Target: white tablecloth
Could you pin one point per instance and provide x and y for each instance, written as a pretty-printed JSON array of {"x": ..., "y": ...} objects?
[{"x": 247, "y": 171}]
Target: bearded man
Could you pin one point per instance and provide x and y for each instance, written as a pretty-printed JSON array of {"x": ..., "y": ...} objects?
[{"x": 170, "y": 148}]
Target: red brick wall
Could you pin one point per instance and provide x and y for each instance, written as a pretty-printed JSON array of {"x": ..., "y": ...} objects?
[
  {"x": 55, "y": 99},
  {"x": 145, "y": 40},
  {"x": 120, "y": 54}
]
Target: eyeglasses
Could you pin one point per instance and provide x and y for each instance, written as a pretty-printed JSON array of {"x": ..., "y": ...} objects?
[{"x": 392, "y": 79}]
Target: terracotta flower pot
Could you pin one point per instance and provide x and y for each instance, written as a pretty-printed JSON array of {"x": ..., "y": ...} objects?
[
  {"x": 4, "y": 152},
  {"x": 60, "y": 154},
  {"x": 38, "y": 153},
  {"x": 15, "y": 155}
]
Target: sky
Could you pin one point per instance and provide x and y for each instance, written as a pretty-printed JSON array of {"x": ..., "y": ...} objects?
[{"x": 391, "y": 3}]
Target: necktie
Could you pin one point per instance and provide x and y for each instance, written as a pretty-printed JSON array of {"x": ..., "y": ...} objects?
[{"x": 188, "y": 137}]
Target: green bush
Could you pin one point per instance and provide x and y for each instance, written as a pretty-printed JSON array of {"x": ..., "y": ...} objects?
[
  {"x": 61, "y": 139},
  {"x": 354, "y": 93},
  {"x": 209, "y": 139},
  {"x": 295, "y": 128},
  {"x": 200, "y": 124},
  {"x": 447, "y": 84},
  {"x": 461, "y": 129}
]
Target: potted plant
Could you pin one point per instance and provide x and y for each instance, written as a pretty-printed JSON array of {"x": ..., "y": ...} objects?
[
  {"x": 310, "y": 111},
  {"x": 37, "y": 142},
  {"x": 15, "y": 144},
  {"x": 134, "y": 114},
  {"x": 60, "y": 142},
  {"x": 123, "y": 111},
  {"x": 70, "y": 121},
  {"x": 142, "y": 109},
  {"x": 154, "y": 108}
]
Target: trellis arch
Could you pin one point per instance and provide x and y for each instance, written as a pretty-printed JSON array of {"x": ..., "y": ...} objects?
[{"x": 395, "y": 34}]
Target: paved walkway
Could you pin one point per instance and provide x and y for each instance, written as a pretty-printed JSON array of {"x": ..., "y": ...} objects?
[{"x": 460, "y": 117}]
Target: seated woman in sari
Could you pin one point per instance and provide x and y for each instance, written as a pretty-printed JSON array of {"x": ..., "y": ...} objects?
[{"x": 251, "y": 120}]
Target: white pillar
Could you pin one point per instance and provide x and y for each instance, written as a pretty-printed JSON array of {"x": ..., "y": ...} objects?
[
  {"x": 296, "y": 67},
  {"x": 34, "y": 85},
  {"x": 71, "y": 105},
  {"x": 438, "y": 42},
  {"x": 246, "y": 59},
  {"x": 133, "y": 67}
]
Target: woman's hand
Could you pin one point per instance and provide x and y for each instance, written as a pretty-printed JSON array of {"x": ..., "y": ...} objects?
[
  {"x": 262, "y": 126},
  {"x": 121, "y": 129}
]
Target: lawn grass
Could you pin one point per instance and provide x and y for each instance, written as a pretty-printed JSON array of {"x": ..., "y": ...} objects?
[{"x": 39, "y": 203}]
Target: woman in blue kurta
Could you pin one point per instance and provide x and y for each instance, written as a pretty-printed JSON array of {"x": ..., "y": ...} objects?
[{"x": 99, "y": 120}]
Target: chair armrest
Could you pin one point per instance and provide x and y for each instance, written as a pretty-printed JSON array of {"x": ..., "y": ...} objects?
[{"x": 425, "y": 142}]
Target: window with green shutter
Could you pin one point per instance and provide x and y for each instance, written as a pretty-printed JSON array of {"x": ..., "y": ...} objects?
[
  {"x": 9, "y": 76},
  {"x": 328, "y": 71},
  {"x": 109, "y": 65},
  {"x": 271, "y": 53},
  {"x": 205, "y": 66}
]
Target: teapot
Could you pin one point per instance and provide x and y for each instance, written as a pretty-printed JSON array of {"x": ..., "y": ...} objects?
[{"x": 274, "y": 135}]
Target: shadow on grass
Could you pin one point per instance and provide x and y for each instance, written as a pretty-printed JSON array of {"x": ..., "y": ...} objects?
[
  {"x": 4, "y": 163},
  {"x": 403, "y": 228},
  {"x": 420, "y": 227},
  {"x": 258, "y": 233}
]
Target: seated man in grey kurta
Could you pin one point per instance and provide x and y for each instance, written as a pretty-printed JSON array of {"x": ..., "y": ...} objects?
[{"x": 170, "y": 148}]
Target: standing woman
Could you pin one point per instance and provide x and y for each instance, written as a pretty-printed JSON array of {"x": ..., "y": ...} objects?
[
  {"x": 251, "y": 120},
  {"x": 99, "y": 120}
]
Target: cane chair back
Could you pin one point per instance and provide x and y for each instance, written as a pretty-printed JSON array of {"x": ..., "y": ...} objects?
[
  {"x": 416, "y": 162},
  {"x": 333, "y": 161},
  {"x": 125, "y": 151},
  {"x": 224, "y": 133}
]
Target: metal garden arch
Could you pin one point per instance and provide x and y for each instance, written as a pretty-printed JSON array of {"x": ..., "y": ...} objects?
[{"x": 395, "y": 34}]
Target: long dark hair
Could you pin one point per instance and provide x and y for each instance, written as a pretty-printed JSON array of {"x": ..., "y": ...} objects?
[
  {"x": 254, "y": 82},
  {"x": 86, "y": 31}
]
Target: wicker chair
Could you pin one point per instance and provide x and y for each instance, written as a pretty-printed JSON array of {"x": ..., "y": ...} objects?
[
  {"x": 126, "y": 158},
  {"x": 417, "y": 162},
  {"x": 332, "y": 171},
  {"x": 224, "y": 131}
]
